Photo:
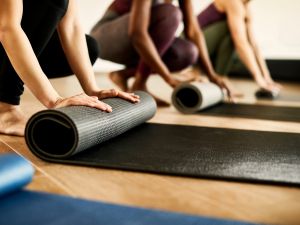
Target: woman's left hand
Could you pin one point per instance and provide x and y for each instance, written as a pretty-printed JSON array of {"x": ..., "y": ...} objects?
[{"x": 113, "y": 93}]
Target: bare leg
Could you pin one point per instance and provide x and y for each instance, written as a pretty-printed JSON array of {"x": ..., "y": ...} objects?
[
  {"x": 140, "y": 84},
  {"x": 121, "y": 77},
  {"x": 12, "y": 120}
]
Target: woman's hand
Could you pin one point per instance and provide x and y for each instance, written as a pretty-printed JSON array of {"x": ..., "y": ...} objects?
[
  {"x": 172, "y": 82},
  {"x": 113, "y": 93},
  {"x": 224, "y": 85},
  {"x": 272, "y": 88},
  {"x": 84, "y": 100},
  {"x": 93, "y": 101}
]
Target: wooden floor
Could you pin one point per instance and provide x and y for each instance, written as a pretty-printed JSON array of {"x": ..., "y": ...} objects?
[{"x": 242, "y": 201}]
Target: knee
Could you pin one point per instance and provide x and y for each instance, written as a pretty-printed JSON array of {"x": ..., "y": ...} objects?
[
  {"x": 182, "y": 54},
  {"x": 192, "y": 53},
  {"x": 92, "y": 48},
  {"x": 174, "y": 14},
  {"x": 170, "y": 12}
]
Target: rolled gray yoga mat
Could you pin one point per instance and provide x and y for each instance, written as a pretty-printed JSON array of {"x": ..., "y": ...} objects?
[
  {"x": 196, "y": 96},
  {"x": 207, "y": 99},
  {"x": 63, "y": 132}
]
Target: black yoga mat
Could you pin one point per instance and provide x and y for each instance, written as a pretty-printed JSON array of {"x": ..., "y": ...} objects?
[
  {"x": 251, "y": 111},
  {"x": 252, "y": 156}
]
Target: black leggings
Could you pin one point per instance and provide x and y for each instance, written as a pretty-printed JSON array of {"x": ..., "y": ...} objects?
[{"x": 39, "y": 22}]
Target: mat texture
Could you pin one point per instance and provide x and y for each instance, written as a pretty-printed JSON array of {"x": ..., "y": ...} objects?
[
  {"x": 252, "y": 156},
  {"x": 25, "y": 207}
]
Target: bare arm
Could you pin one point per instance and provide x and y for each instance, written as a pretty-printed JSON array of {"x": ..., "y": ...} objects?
[
  {"x": 236, "y": 15},
  {"x": 194, "y": 33},
  {"x": 74, "y": 45},
  {"x": 259, "y": 57},
  {"x": 20, "y": 52},
  {"x": 24, "y": 61},
  {"x": 138, "y": 31}
]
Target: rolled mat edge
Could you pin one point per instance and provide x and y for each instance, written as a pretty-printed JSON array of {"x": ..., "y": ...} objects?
[
  {"x": 195, "y": 96},
  {"x": 63, "y": 132}
]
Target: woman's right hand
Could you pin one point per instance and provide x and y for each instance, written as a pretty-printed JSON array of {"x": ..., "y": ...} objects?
[
  {"x": 83, "y": 100},
  {"x": 224, "y": 85},
  {"x": 270, "y": 87},
  {"x": 173, "y": 82}
]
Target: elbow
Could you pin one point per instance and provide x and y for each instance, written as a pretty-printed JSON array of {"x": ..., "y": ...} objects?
[
  {"x": 190, "y": 33},
  {"x": 7, "y": 29},
  {"x": 193, "y": 34},
  {"x": 3, "y": 31},
  {"x": 137, "y": 36}
]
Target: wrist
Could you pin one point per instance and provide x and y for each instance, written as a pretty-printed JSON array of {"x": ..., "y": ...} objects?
[
  {"x": 92, "y": 91},
  {"x": 212, "y": 76},
  {"x": 54, "y": 102}
]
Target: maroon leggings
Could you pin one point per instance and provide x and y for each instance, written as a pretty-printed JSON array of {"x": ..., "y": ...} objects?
[
  {"x": 111, "y": 33},
  {"x": 176, "y": 53}
]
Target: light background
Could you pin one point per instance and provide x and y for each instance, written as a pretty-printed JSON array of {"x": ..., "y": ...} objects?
[{"x": 276, "y": 26}]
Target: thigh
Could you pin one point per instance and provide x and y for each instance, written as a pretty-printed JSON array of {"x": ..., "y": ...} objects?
[
  {"x": 214, "y": 35},
  {"x": 181, "y": 54},
  {"x": 114, "y": 42},
  {"x": 224, "y": 56},
  {"x": 53, "y": 59}
]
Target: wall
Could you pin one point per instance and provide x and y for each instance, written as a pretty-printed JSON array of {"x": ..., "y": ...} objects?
[{"x": 276, "y": 26}]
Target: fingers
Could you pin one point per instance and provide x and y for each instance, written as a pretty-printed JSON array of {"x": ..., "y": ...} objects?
[
  {"x": 174, "y": 83},
  {"x": 129, "y": 96},
  {"x": 112, "y": 93},
  {"x": 93, "y": 101},
  {"x": 85, "y": 100},
  {"x": 224, "y": 84},
  {"x": 108, "y": 93}
]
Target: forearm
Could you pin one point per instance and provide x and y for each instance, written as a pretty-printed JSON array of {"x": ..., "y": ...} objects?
[
  {"x": 75, "y": 47},
  {"x": 25, "y": 63},
  {"x": 248, "y": 57},
  {"x": 194, "y": 33},
  {"x": 262, "y": 62},
  {"x": 148, "y": 52},
  {"x": 76, "y": 51},
  {"x": 204, "y": 58}
]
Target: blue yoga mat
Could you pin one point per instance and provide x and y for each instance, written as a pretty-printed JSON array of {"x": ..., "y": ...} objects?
[{"x": 18, "y": 206}]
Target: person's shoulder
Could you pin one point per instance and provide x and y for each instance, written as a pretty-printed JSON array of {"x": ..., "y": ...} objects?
[{"x": 234, "y": 7}]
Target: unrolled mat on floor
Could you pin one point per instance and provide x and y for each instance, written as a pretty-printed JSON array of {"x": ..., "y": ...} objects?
[
  {"x": 86, "y": 136},
  {"x": 19, "y": 206},
  {"x": 208, "y": 99}
]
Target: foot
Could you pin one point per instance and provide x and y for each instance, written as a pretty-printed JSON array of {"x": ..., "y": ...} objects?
[
  {"x": 117, "y": 78},
  {"x": 121, "y": 77},
  {"x": 12, "y": 120},
  {"x": 142, "y": 87}
]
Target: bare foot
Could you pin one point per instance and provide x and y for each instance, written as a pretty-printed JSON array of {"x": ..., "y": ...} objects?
[
  {"x": 119, "y": 80},
  {"x": 12, "y": 120},
  {"x": 121, "y": 77},
  {"x": 142, "y": 87}
]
